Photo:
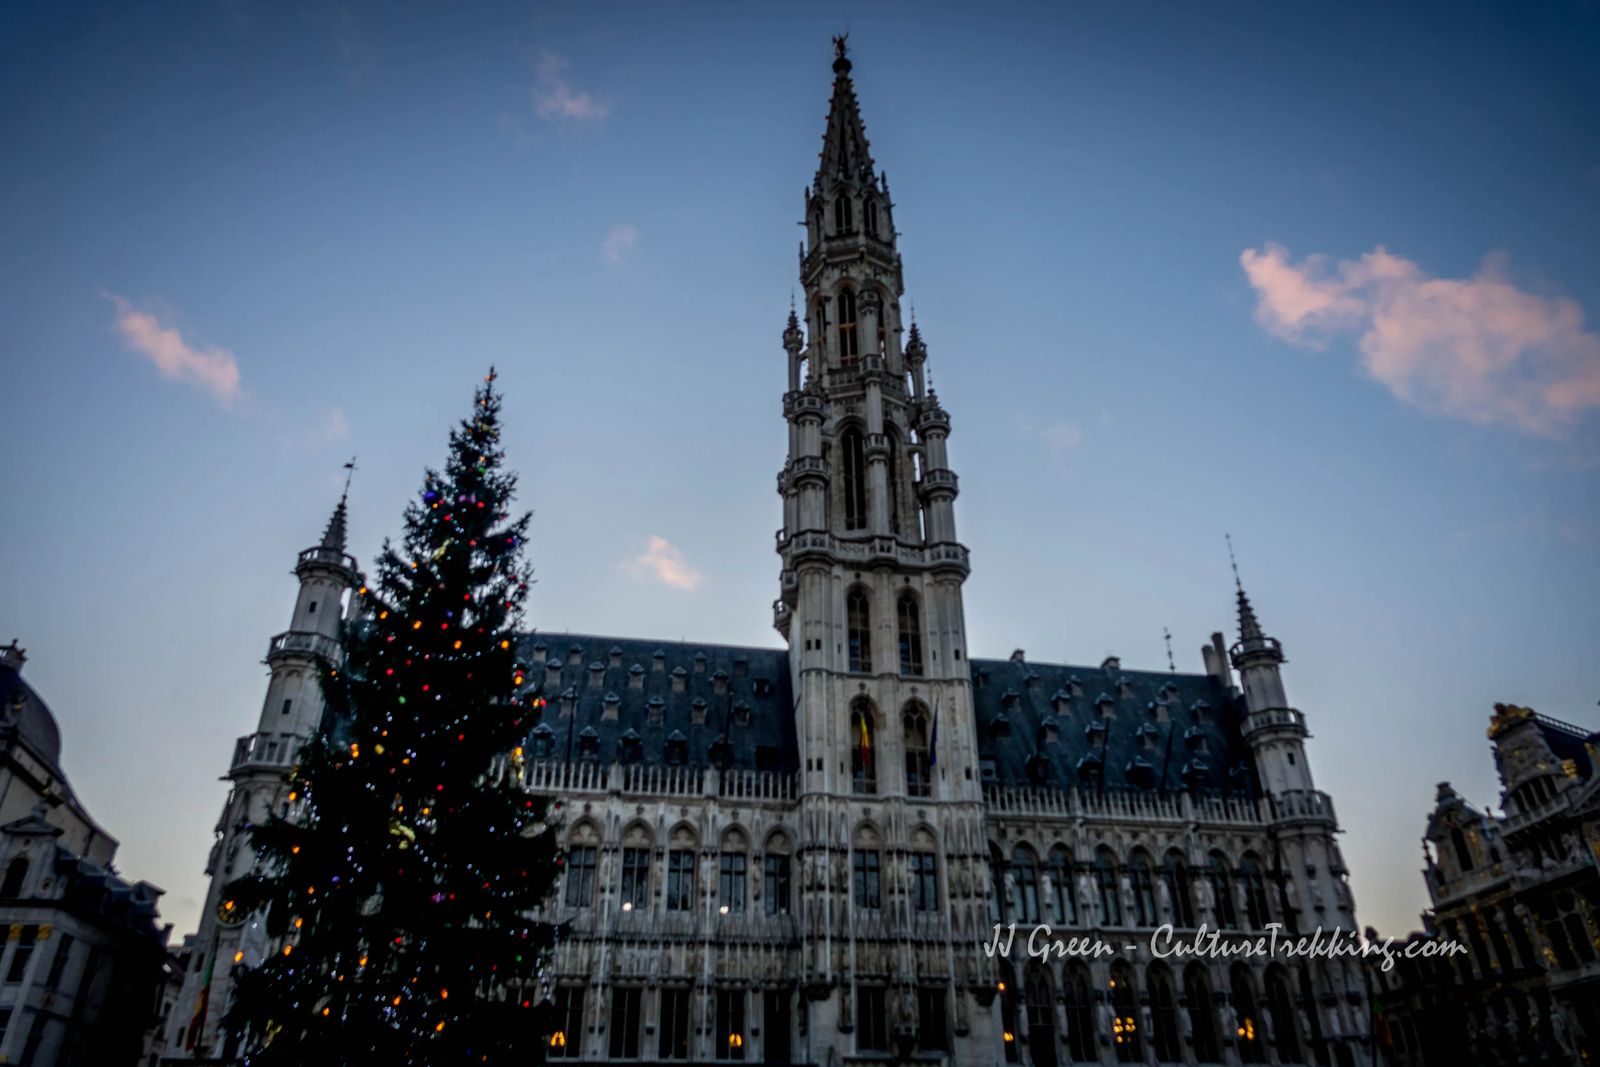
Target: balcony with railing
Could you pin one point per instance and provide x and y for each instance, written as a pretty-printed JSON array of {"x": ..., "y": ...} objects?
[
  {"x": 938, "y": 480},
  {"x": 328, "y": 557},
  {"x": 264, "y": 751},
  {"x": 305, "y": 643},
  {"x": 655, "y": 779},
  {"x": 1289, "y": 719},
  {"x": 1118, "y": 805},
  {"x": 1309, "y": 804}
]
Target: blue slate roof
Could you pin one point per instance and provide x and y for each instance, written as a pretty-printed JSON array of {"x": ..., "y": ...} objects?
[
  {"x": 1038, "y": 724},
  {"x": 1108, "y": 728},
  {"x": 672, "y": 701}
]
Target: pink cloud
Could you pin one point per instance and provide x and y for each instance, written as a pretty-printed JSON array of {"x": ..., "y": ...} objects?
[
  {"x": 213, "y": 369},
  {"x": 666, "y": 564},
  {"x": 1476, "y": 348},
  {"x": 618, "y": 243}
]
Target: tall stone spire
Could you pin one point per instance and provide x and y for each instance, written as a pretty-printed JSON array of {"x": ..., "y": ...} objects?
[
  {"x": 845, "y": 152},
  {"x": 1249, "y": 627},
  {"x": 335, "y": 535}
]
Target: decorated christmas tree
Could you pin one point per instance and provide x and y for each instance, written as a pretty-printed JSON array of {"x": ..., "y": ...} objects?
[{"x": 400, "y": 895}]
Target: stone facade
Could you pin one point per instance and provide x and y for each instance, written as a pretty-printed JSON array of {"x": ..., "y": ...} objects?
[
  {"x": 81, "y": 963},
  {"x": 1521, "y": 891},
  {"x": 797, "y": 855}
]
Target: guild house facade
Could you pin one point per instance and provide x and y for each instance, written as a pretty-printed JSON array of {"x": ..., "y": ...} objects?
[{"x": 795, "y": 855}]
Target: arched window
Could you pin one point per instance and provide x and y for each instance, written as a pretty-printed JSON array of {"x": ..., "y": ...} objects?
[
  {"x": 1125, "y": 1014},
  {"x": 1280, "y": 1001},
  {"x": 1163, "y": 1014},
  {"x": 909, "y": 616},
  {"x": 843, "y": 216},
  {"x": 863, "y": 750},
  {"x": 1025, "y": 873},
  {"x": 858, "y": 622},
  {"x": 1463, "y": 850},
  {"x": 1247, "y": 1029},
  {"x": 1079, "y": 990},
  {"x": 1041, "y": 1016},
  {"x": 854, "y": 469},
  {"x": 1227, "y": 916},
  {"x": 918, "y": 777},
  {"x": 16, "y": 873},
  {"x": 924, "y": 872},
  {"x": 1202, "y": 1018},
  {"x": 1255, "y": 893},
  {"x": 1105, "y": 881},
  {"x": 849, "y": 339},
  {"x": 872, "y": 217},
  {"x": 1175, "y": 872},
  {"x": 1142, "y": 880},
  {"x": 1061, "y": 886}
]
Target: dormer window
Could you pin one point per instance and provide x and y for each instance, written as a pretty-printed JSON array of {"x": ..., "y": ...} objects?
[
  {"x": 589, "y": 743},
  {"x": 677, "y": 748},
  {"x": 631, "y": 747}
]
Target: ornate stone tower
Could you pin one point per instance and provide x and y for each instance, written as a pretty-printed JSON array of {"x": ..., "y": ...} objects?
[
  {"x": 296, "y": 660},
  {"x": 892, "y": 841},
  {"x": 1313, "y": 887}
]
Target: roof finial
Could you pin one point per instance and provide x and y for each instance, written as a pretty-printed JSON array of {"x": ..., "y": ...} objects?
[
  {"x": 1249, "y": 627},
  {"x": 1233, "y": 563},
  {"x": 1166, "y": 635},
  {"x": 349, "y": 472},
  {"x": 840, "y": 48},
  {"x": 334, "y": 536}
]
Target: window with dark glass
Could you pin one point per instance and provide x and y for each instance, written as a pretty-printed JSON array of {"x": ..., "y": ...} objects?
[
  {"x": 1025, "y": 876},
  {"x": 933, "y": 1026},
  {"x": 849, "y": 335},
  {"x": 924, "y": 881},
  {"x": 868, "y": 879},
  {"x": 567, "y": 1041},
  {"x": 636, "y": 877},
  {"x": 863, "y": 752},
  {"x": 1175, "y": 873},
  {"x": 1061, "y": 885},
  {"x": 674, "y": 1029},
  {"x": 843, "y": 214},
  {"x": 1105, "y": 880},
  {"x": 625, "y": 1020},
  {"x": 680, "y": 880},
  {"x": 909, "y": 614},
  {"x": 775, "y": 875},
  {"x": 731, "y": 1036},
  {"x": 580, "y": 876},
  {"x": 872, "y": 1019},
  {"x": 730, "y": 881},
  {"x": 918, "y": 773},
  {"x": 776, "y": 1014},
  {"x": 858, "y": 622}
]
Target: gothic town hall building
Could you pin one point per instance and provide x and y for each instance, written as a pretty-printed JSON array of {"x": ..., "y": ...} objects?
[{"x": 795, "y": 855}]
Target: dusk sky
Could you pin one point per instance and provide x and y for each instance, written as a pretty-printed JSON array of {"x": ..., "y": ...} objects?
[{"x": 1324, "y": 279}]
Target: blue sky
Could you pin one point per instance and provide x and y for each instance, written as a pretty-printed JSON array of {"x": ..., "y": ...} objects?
[{"x": 1317, "y": 279}]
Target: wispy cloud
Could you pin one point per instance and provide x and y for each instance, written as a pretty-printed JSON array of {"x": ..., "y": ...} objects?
[
  {"x": 213, "y": 369},
  {"x": 556, "y": 99},
  {"x": 335, "y": 426},
  {"x": 1060, "y": 437},
  {"x": 1476, "y": 348},
  {"x": 618, "y": 243},
  {"x": 665, "y": 564}
]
